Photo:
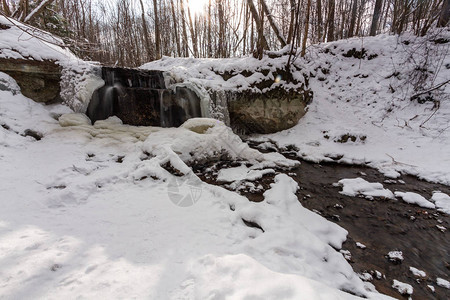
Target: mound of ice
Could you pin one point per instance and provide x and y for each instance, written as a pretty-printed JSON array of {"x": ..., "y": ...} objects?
[
  {"x": 75, "y": 119},
  {"x": 413, "y": 198},
  {"x": 358, "y": 186}
]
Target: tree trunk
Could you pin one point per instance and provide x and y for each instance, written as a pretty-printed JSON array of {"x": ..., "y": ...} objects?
[
  {"x": 305, "y": 35},
  {"x": 291, "y": 24},
  {"x": 157, "y": 31},
  {"x": 192, "y": 30},
  {"x": 6, "y": 8},
  {"x": 33, "y": 14},
  {"x": 353, "y": 19},
  {"x": 330, "y": 33},
  {"x": 144, "y": 28},
  {"x": 185, "y": 38},
  {"x": 444, "y": 16},
  {"x": 319, "y": 20},
  {"x": 175, "y": 28},
  {"x": 258, "y": 22},
  {"x": 222, "y": 48},
  {"x": 376, "y": 17},
  {"x": 272, "y": 24}
]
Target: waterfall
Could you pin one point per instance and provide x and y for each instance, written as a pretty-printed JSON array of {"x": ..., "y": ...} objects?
[{"x": 140, "y": 97}]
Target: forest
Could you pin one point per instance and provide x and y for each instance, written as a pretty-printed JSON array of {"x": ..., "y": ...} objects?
[{"x": 132, "y": 32}]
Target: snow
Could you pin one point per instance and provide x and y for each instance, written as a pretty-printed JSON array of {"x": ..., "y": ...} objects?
[
  {"x": 395, "y": 255},
  {"x": 359, "y": 186},
  {"x": 359, "y": 97},
  {"x": 22, "y": 41},
  {"x": 242, "y": 173},
  {"x": 442, "y": 202},
  {"x": 443, "y": 283},
  {"x": 88, "y": 211},
  {"x": 7, "y": 83},
  {"x": 402, "y": 288},
  {"x": 418, "y": 273},
  {"x": 414, "y": 198},
  {"x": 360, "y": 245}
]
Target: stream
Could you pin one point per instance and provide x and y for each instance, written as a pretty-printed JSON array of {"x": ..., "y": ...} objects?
[{"x": 381, "y": 225}]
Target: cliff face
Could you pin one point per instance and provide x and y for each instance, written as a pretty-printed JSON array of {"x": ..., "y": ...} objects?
[{"x": 38, "y": 80}]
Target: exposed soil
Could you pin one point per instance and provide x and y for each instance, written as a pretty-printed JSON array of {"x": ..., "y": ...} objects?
[{"x": 382, "y": 225}]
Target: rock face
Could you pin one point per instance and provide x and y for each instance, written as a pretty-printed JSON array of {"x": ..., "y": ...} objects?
[
  {"x": 38, "y": 80},
  {"x": 268, "y": 112},
  {"x": 140, "y": 98}
]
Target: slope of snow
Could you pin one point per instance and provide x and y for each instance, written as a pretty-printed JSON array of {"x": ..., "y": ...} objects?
[
  {"x": 21, "y": 41},
  {"x": 367, "y": 104},
  {"x": 90, "y": 211}
]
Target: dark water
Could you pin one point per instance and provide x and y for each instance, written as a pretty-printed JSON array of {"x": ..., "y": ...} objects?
[
  {"x": 141, "y": 98},
  {"x": 382, "y": 225}
]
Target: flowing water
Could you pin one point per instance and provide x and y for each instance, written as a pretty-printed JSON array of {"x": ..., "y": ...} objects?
[
  {"x": 382, "y": 225},
  {"x": 141, "y": 98}
]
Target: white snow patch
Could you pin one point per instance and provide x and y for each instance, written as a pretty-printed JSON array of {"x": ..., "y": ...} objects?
[
  {"x": 359, "y": 186},
  {"x": 360, "y": 245},
  {"x": 443, "y": 283},
  {"x": 442, "y": 202},
  {"x": 402, "y": 288},
  {"x": 242, "y": 173},
  {"x": 395, "y": 255},
  {"x": 417, "y": 272},
  {"x": 414, "y": 198}
]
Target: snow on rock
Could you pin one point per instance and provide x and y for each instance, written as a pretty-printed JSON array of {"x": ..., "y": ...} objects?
[
  {"x": 21, "y": 41},
  {"x": 359, "y": 186},
  {"x": 402, "y": 288},
  {"x": 442, "y": 202},
  {"x": 242, "y": 173},
  {"x": 206, "y": 72},
  {"x": 395, "y": 256},
  {"x": 414, "y": 198},
  {"x": 417, "y": 272},
  {"x": 189, "y": 145},
  {"x": 443, "y": 283}
]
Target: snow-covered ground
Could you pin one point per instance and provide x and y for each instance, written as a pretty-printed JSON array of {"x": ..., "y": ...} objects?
[
  {"x": 368, "y": 100},
  {"x": 114, "y": 211},
  {"x": 89, "y": 211}
]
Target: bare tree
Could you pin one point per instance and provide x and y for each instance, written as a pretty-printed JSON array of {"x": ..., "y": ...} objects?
[{"x": 444, "y": 16}]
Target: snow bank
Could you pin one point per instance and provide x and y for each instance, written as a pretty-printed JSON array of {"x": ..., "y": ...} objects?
[
  {"x": 21, "y": 41},
  {"x": 241, "y": 277},
  {"x": 358, "y": 186},
  {"x": 414, "y": 198}
]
